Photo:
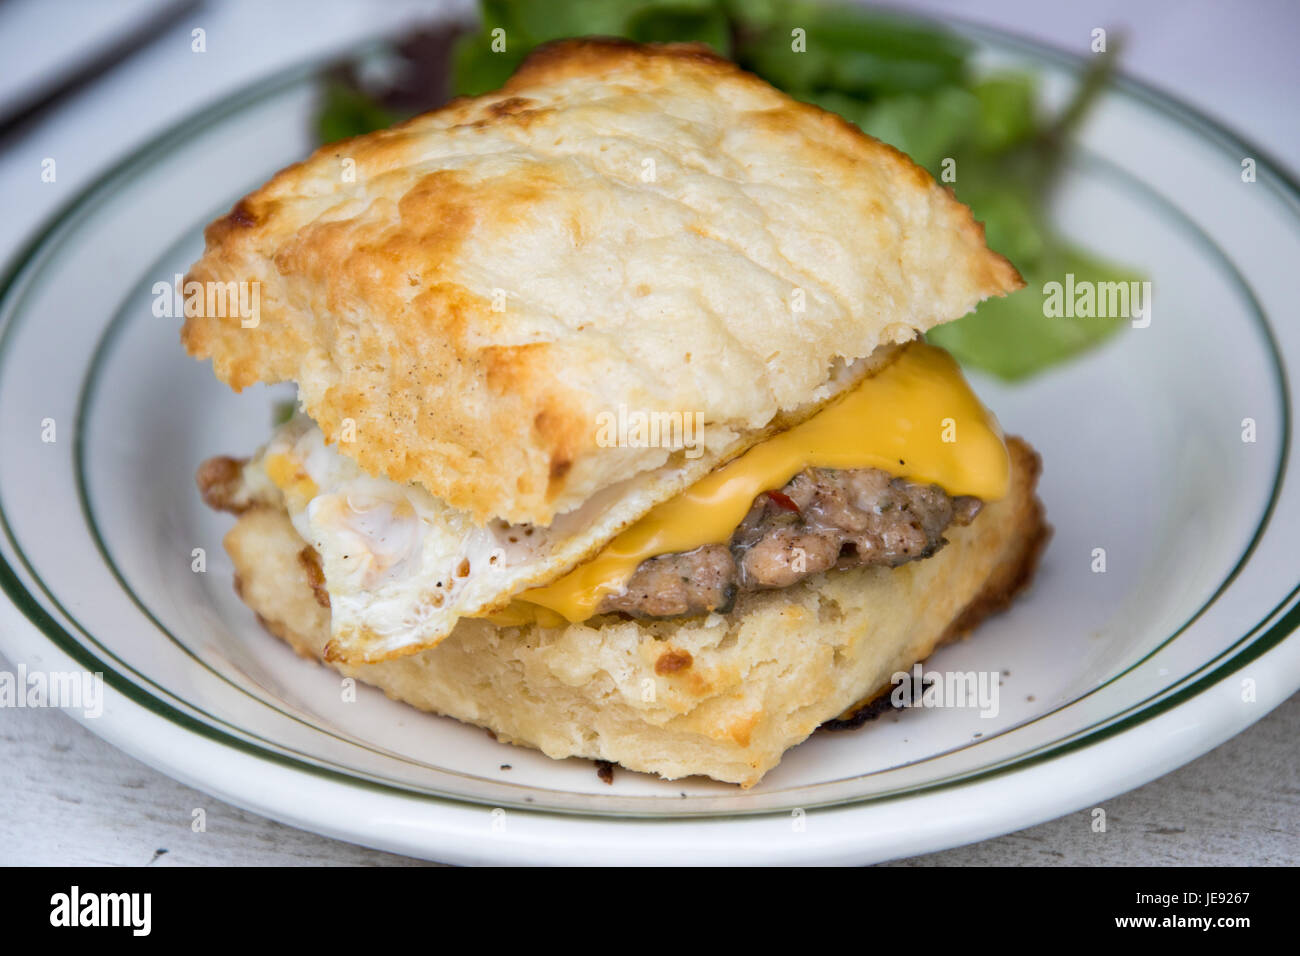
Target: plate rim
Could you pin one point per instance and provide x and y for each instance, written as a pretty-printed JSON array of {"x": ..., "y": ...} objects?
[{"x": 86, "y": 400}]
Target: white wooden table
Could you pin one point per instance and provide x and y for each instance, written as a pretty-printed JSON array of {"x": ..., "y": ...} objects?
[{"x": 67, "y": 797}]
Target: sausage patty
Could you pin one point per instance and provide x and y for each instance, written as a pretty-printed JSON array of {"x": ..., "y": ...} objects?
[{"x": 822, "y": 518}]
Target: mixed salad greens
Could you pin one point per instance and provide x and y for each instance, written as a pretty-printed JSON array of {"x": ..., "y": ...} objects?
[{"x": 908, "y": 83}]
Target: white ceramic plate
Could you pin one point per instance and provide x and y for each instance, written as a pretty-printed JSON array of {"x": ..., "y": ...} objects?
[{"x": 1109, "y": 679}]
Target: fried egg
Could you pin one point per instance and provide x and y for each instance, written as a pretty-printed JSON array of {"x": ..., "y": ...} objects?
[{"x": 401, "y": 567}]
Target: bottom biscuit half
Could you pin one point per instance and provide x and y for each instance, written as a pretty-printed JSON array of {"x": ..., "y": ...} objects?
[{"x": 724, "y": 695}]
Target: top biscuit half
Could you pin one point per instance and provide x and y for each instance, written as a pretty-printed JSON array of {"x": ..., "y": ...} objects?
[{"x": 462, "y": 299}]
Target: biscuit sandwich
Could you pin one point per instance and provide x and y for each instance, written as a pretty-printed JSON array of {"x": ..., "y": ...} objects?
[{"x": 616, "y": 434}]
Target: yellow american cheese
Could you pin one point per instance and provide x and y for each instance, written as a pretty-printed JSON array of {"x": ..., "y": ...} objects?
[{"x": 917, "y": 418}]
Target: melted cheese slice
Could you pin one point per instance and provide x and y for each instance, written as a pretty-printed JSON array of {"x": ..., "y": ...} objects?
[{"x": 917, "y": 418}]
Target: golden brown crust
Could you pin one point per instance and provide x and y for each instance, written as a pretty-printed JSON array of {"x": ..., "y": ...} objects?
[
  {"x": 221, "y": 484},
  {"x": 310, "y": 561},
  {"x": 724, "y": 696},
  {"x": 621, "y": 225}
]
